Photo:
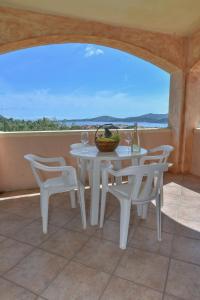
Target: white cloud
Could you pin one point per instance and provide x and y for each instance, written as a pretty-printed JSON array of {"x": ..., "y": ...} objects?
[
  {"x": 92, "y": 50},
  {"x": 40, "y": 103}
]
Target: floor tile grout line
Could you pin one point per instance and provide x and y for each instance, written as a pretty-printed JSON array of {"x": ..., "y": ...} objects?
[
  {"x": 37, "y": 294},
  {"x": 187, "y": 237},
  {"x": 166, "y": 279},
  {"x": 19, "y": 261},
  {"x": 185, "y": 261},
  {"x": 3, "y": 275},
  {"x": 39, "y": 247},
  {"x": 116, "y": 242},
  {"x": 176, "y": 298},
  {"x": 37, "y": 220},
  {"x": 27, "y": 243},
  {"x": 59, "y": 272},
  {"x": 111, "y": 274},
  {"x": 23, "y": 242},
  {"x": 170, "y": 256},
  {"x": 68, "y": 262},
  {"x": 21, "y": 228},
  {"x": 125, "y": 279},
  {"x": 167, "y": 275},
  {"x": 143, "y": 250},
  {"x": 57, "y": 254},
  {"x": 139, "y": 284},
  {"x": 147, "y": 250},
  {"x": 14, "y": 239},
  {"x": 83, "y": 231},
  {"x": 17, "y": 284},
  {"x": 18, "y": 215}
]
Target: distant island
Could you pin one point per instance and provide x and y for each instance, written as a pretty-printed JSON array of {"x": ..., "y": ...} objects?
[
  {"x": 42, "y": 124},
  {"x": 148, "y": 118}
]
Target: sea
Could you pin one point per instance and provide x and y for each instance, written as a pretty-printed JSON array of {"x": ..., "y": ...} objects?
[{"x": 120, "y": 125}]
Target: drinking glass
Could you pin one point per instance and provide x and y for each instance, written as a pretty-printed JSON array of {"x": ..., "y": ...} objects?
[
  {"x": 84, "y": 138},
  {"x": 128, "y": 138}
]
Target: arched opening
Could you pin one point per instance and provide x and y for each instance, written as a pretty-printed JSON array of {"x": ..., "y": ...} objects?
[
  {"x": 81, "y": 81},
  {"x": 118, "y": 44}
]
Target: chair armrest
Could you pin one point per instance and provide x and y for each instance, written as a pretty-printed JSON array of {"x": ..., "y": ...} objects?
[
  {"x": 123, "y": 172},
  {"x": 150, "y": 158},
  {"x": 54, "y": 169},
  {"x": 60, "y": 160},
  {"x": 156, "y": 149}
]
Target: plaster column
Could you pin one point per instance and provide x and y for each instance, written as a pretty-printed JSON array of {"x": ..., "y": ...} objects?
[
  {"x": 176, "y": 115},
  {"x": 191, "y": 116}
]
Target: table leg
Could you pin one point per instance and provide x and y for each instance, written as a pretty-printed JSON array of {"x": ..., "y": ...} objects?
[
  {"x": 83, "y": 169},
  {"x": 117, "y": 166},
  {"x": 95, "y": 193},
  {"x": 134, "y": 162},
  {"x": 141, "y": 209}
]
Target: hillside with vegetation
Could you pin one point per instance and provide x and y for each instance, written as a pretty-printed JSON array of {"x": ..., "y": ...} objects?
[
  {"x": 149, "y": 118},
  {"x": 44, "y": 124},
  {"x": 10, "y": 124}
]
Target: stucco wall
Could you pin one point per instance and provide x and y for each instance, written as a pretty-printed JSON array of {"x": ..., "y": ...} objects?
[
  {"x": 15, "y": 171},
  {"x": 195, "y": 167},
  {"x": 21, "y": 29}
]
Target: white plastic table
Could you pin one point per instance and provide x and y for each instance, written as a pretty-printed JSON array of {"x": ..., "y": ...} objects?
[{"x": 92, "y": 154}]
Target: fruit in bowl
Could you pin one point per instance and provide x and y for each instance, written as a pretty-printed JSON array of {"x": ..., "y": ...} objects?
[
  {"x": 113, "y": 138},
  {"x": 107, "y": 141}
]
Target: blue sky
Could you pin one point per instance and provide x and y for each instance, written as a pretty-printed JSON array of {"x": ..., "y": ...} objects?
[{"x": 79, "y": 81}]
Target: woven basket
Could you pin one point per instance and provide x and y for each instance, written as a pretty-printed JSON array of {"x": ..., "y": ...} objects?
[{"x": 106, "y": 146}]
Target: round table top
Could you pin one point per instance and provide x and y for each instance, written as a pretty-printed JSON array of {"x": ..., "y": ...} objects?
[{"x": 121, "y": 153}]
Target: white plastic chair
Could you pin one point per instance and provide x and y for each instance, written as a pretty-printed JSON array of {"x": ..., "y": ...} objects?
[
  {"x": 66, "y": 181},
  {"x": 160, "y": 155},
  {"x": 144, "y": 188},
  {"x": 85, "y": 166}
]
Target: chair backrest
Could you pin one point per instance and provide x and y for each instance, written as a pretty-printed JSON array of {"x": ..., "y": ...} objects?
[
  {"x": 41, "y": 164},
  {"x": 159, "y": 154},
  {"x": 36, "y": 166},
  {"x": 147, "y": 181}
]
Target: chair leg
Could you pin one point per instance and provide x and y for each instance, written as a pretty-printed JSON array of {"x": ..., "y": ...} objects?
[
  {"x": 41, "y": 208},
  {"x": 103, "y": 206},
  {"x": 82, "y": 170},
  {"x": 90, "y": 178},
  {"x": 139, "y": 210},
  {"x": 112, "y": 180},
  {"x": 82, "y": 205},
  {"x": 125, "y": 206},
  {"x": 144, "y": 211},
  {"x": 161, "y": 196},
  {"x": 158, "y": 217},
  {"x": 161, "y": 192},
  {"x": 44, "y": 200},
  {"x": 73, "y": 199}
]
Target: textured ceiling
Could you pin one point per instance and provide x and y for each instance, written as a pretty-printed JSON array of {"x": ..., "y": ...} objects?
[{"x": 181, "y": 17}]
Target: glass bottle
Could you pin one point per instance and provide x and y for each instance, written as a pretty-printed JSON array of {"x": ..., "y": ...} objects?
[{"x": 135, "y": 143}]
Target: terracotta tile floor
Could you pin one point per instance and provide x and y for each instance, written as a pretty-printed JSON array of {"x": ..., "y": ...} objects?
[{"x": 69, "y": 263}]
